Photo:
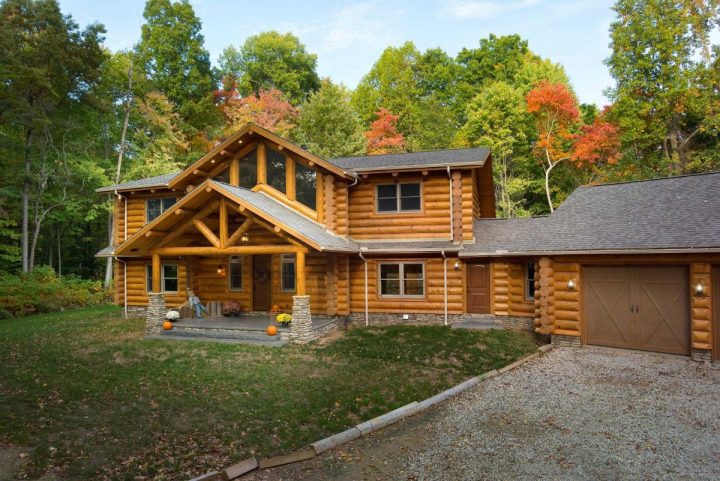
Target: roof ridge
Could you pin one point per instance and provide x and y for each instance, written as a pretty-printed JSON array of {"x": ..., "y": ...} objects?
[
  {"x": 408, "y": 153},
  {"x": 637, "y": 181}
]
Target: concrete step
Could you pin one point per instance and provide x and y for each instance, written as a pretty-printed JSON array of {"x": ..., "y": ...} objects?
[
  {"x": 242, "y": 334},
  {"x": 173, "y": 335}
]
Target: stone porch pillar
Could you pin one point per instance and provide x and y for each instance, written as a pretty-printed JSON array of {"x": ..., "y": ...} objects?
[
  {"x": 156, "y": 311},
  {"x": 301, "y": 325}
]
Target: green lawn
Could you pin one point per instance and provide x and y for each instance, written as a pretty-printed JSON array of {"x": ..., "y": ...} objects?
[{"x": 88, "y": 397}]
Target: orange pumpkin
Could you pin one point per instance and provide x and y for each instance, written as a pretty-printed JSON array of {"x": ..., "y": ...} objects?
[
  {"x": 271, "y": 330},
  {"x": 167, "y": 325},
  {"x": 275, "y": 308}
]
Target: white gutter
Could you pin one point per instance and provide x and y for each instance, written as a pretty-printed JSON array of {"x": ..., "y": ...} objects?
[
  {"x": 356, "y": 179},
  {"x": 367, "y": 320},
  {"x": 452, "y": 225},
  {"x": 445, "y": 285}
]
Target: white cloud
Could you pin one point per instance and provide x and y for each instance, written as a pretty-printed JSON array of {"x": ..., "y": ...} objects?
[
  {"x": 484, "y": 8},
  {"x": 360, "y": 23}
]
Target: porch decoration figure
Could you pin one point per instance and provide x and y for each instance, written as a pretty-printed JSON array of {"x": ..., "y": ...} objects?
[
  {"x": 195, "y": 304},
  {"x": 231, "y": 308},
  {"x": 284, "y": 319}
]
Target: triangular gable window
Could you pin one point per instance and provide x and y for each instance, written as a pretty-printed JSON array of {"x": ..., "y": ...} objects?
[
  {"x": 276, "y": 176},
  {"x": 248, "y": 170}
]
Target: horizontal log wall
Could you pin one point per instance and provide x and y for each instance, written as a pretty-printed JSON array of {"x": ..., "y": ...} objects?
[
  {"x": 701, "y": 306},
  {"x": 136, "y": 216},
  {"x": 508, "y": 290},
  {"x": 432, "y": 222},
  {"x": 433, "y": 302},
  {"x": 467, "y": 205},
  {"x": 136, "y": 280}
]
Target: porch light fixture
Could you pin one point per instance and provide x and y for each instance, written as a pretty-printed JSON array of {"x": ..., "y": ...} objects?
[
  {"x": 571, "y": 284},
  {"x": 700, "y": 288},
  {"x": 245, "y": 238},
  {"x": 457, "y": 264},
  {"x": 221, "y": 269}
]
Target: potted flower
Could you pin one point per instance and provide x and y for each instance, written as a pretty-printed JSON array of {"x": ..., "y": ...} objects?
[
  {"x": 231, "y": 308},
  {"x": 284, "y": 319},
  {"x": 172, "y": 315}
]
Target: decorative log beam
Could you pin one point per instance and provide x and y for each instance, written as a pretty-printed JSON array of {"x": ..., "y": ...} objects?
[
  {"x": 235, "y": 172},
  {"x": 261, "y": 164},
  {"x": 223, "y": 214},
  {"x": 235, "y": 250},
  {"x": 183, "y": 211},
  {"x": 217, "y": 169},
  {"x": 205, "y": 230},
  {"x": 199, "y": 172},
  {"x": 182, "y": 228},
  {"x": 232, "y": 240},
  {"x": 275, "y": 230},
  {"x": 155, "y": 233}
]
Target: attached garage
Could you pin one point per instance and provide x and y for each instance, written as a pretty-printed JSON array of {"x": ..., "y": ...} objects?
[{"x": 638, "y": 307}]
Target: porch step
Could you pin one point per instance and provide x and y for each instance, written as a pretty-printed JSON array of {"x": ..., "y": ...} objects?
[
  {"x": 477, "y": 322},
  {"x": 235, "y": 336}
]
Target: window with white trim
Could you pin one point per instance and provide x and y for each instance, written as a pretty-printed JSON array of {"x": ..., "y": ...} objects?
[
  {"x": 402, "y": 279},
  {"x": 398, "y": 197},
  {"x": 155, "y": 207},
  {"x": 169, "y": 278},
  {"x": 235, "y": 273},
  {"x": 529, "y": 281},
  {"x": 287, "y": 272}
]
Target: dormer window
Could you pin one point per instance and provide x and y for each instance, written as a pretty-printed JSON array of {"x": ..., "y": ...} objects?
[
  {"x": 155, "y": 207},
  {"x": 276, "y": 176}
]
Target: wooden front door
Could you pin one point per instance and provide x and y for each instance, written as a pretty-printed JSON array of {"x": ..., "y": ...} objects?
[
  {"x": 261, "y": 282},
  {"x": 478, "y": 288},
  {"x": 646, "y": 308}
]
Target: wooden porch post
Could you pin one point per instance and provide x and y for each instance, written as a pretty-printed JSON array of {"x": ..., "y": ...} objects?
[
  {"x": 156, "y": 274},
  {"x": 223, "y": 223},
  {"x": 300, "y": 272}
]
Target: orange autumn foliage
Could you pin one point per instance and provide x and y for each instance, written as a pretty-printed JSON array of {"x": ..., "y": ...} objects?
[
  {"x": 268, "y": 109},
  {"x": 555, "y": 110},
  {"x": 599, "y": 141},
  {"x": 383, "y": 136}
]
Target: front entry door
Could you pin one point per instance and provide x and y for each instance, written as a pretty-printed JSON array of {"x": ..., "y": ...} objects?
[
  {"x": 478, "y": 288},
  {"x": 261, "y": 282}
]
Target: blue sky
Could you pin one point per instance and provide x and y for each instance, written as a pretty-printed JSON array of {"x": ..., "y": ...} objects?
[{"x": 348, "y": 36}]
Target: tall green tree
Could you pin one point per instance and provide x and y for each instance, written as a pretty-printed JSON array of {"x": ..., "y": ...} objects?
[
  {"x": 271, "y": 60},
  {"x": 172, "y": 55},
  {"x": 665, "y": 99},
  {"x": 327, "y": 125},
  {"x": 49, "y": 65}
]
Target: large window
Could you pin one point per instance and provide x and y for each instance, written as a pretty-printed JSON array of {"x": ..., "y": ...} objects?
[
  {"x": 248, "y": 170},
  {"x": 305, "y": 185},
  {"x": 287, "y": 272},
  {"x": 235, "y": 274},
  {"x": 155, "y": 207},
  {"x": 398, "y": 197},
  {"x": 529, "y": 281},
  {"x": 402, "y": 279},
  {"x": 276, "y": 169},
  {"x": 169, "y": 282}
]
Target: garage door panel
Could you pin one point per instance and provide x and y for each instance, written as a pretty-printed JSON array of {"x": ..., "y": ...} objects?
[{"x": 638, "y": 308}]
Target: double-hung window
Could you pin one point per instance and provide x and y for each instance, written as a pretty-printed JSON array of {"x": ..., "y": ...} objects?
[
  {"x": 155, "y": 207},
  {"x": 235, "y": 273},
  {"x": 169, "y": 281},
  {"x": 287, "y": 272},
  {"x": 402, "y": 279},
  {"x": 398, "y": 197},
  {"x": 529, "y": 281}
]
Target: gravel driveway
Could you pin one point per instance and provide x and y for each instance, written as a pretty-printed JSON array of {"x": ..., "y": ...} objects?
[{"x": 573, "y": 414}]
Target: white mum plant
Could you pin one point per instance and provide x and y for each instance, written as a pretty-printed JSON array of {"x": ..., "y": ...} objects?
[{"x": 172, "y": 315}]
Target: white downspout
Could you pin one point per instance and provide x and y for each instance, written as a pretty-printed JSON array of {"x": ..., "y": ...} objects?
[
  {"x": 452, "y": 224},
  {"x": 367, "y": 320},
  {"x": 445, "y": 285}
]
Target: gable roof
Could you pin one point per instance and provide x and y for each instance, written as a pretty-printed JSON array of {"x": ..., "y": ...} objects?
[
  {"x": 159, "y": 181},
  {"x": 472, "y": 157},
  {"x": 674, "y": 214}
]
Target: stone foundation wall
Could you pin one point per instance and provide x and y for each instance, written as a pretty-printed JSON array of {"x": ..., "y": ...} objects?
[
  {"x": 136, "y": 311},
  {"x": 561, "y": 340},
  {"x": 301, "y": 325},
  {"x": 357, "y": 319},
  {"x": 515, "y": 323},
  {"x": 701, "y": 355}
]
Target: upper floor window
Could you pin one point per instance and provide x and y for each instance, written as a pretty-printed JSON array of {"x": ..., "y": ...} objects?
[
  {"x": 248, "y": 170},
  {"x": 529, "y": 281},
  {"x": 398, "y": 197},
  {"x": 155, "y": 207},
  {"x": 287, "y": 272},
  {"x": 402, "y": 279},
  {"x": 235, "y": 273},
  {"x": 305, "y": 185},
  {"x": 276, "y": 169},
  {"x": 169, "y": 281}
]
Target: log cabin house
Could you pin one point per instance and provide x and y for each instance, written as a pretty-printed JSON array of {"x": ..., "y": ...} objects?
[{"x": 413, "y": 238}]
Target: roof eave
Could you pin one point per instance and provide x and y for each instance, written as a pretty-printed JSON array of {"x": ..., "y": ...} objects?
[
  {"x": 631, "y": 251},
  {"x": 405, "y": 168}
]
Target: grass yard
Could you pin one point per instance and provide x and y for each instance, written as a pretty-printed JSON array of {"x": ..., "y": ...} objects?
[{"x": 86, "y": 397}]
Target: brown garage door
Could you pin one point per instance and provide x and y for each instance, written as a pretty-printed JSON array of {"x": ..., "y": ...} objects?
[{"x": 638, "y": 307}]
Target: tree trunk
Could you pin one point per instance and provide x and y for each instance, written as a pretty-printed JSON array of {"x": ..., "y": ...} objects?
[
  {"x": 25, "y": 235},
  {"x": 547, "y": 186},
  {"x": 109, "y": 263}
]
